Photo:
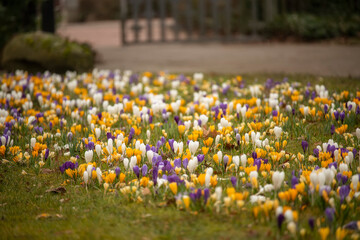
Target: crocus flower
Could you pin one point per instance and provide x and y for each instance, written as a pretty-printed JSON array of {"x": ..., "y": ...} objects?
[
  {"x": 86, "y": 177},
  {"x": 206, "y": 195},
  {"x": 277, "y": 132},
  {"x": 354, "y": 225},
  {"x": 226, "y": 160},
  {"x": 280, "y": 220},
  {"x": 117, "y": 171},
  {"x": 311, "y": 222},
  {"x": 342, "y": 117},
  {"x": 304, "y": 145},
  {"x": 136, "y": 170},
  {"x": 233, "y": 181},
  {"x": 344, "y": 192},
  {"x": 329, "y": 213},
  {"x": 277, "y": 179},
  {"x": 89, "y": 156},
  {"x": 144, "y": 170},
  {"x": 200, "y": 157},
  {"x": 155, "y": 175},
  {"x": 326, "y": 108},
  {"x": 46, "y": 154}
]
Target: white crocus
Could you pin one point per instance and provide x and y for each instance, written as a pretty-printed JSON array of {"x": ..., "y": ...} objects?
[
  {"x": 355, "y": 181},
  {"x": 278, "y": 179},
  {"x": 86, "y": 177},
  {"x": 193, "y": 146},
  {"x": 89, "y": 170},
  {"x": 126, "y": 163},
  {"x": 243, "y": 160},
  {"x": 204, "y": 119},
  {"x": 236, "y": 160},
  {"x": 150, "y": 155},
  {"x": 220, "y": 156},
  {"x": 192, "y": 165},
  {"x": 208, "y": 175},
  {"x": 277, "y": 132},
  {"x": 110, "y": 146},
  {"x": 98, "y": 149},
  {"x": 99, "y": 175},
  {"x": 97, "y": 133},
  {"x": 358, "y": 133},
  {"x": 32, "y": 142},
  {"x": 89, "y": 156},
  {"x": 343, "y": 168},
  {"x": 133, "y": 161}
]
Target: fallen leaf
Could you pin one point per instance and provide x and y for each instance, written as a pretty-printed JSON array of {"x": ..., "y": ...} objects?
[
  {"x": 47, "y": 215},
  {"x": 61, "y": 190},
  {"x": 46, "y": 171},
  {"x": 42, "y": 216}
]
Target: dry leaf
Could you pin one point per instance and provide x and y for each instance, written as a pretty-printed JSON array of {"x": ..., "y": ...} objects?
[
  {"x": 145, "y": 191},
  {"x": 46, "y": 171}
]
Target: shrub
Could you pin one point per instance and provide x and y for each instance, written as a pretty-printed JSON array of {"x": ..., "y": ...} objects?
[
  {"x": 311, "y": 27},
  {"x": 36, "y": 52}
]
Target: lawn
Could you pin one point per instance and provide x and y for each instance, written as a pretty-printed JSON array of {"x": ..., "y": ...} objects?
[{"x": 40, "y": 201}]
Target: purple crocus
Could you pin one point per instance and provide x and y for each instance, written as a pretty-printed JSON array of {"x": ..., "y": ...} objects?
[
  {"x": 206, "y": 194},
  {"x": 177, "y": 119},
  {"x": 233, "y": 181},
  {"x": 68, "y": 165},
  {"x": 226, "y": 160},
  {"x": 316, "y": 152},
  {"x": 330, "y": 214},
  {"x": 326, "y": 108},
  {"x": 117, "y": 171},
  {"x": 280, "y": 220},
  {"x": 332, "y": 129},
  {"x": 304, "y": 145},
  {"x": 46, "y": 154},
  {"x": 144, "y": 170},
  {"x": 200, "y": 157},
  {"x": 336, "y": 115},
  {"x": 185, "y": 162},
  {"x": 70, "y": 136},
  {"x": 342, "y": 116},
  {"x": 155, "y": 174},
  {"x": 238, "y": 137},
  {"x": 294, "y": 181},
  {"x": 136, "y": 170},
  {"x": 344, "y": 192},
  {"x": 311, "y": 222},
  {"x": 177, "y": 163},
  {"x": 38, "y": 130}
]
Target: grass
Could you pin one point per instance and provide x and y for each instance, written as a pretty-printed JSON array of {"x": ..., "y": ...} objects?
[
  {"x": 94, "y": 215},
  {"x": 81, "y": 214}
]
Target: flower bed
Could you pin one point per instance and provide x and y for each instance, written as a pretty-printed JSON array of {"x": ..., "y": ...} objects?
[{"x": 193, "y": 143}]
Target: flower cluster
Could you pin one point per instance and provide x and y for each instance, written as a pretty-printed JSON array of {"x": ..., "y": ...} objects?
[{"x": 279, "y": 152}]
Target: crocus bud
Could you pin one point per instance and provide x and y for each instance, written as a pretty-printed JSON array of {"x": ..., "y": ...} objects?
[
  {"x": 86, "y": 177},
  {"x": 99, "y": 175},
  {"x": 89, "y": 156},
  {"x": 278, "y": 178}
]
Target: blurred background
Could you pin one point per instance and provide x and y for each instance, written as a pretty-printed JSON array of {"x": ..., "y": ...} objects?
[{"x": 89, "y": 28}]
